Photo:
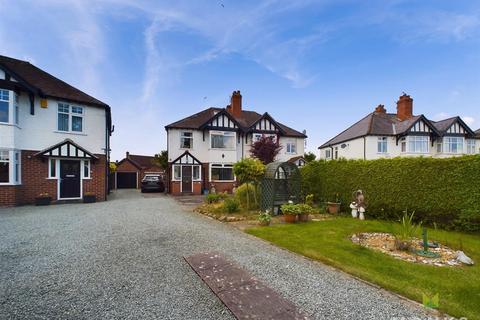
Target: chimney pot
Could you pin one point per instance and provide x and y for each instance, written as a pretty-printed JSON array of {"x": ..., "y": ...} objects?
[
  {"x": 404, "y": 107},
  {"x": 127, "y": 154},
  {"x": 380, "y": 109}
]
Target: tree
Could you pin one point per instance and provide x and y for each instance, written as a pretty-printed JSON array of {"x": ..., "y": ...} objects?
[
  {"x": 161, "y": 159},
  {"x": 265, "y": 149},
  {"x": 309, "y": 156},
  {"x": 112, "y": 166},
  {"x": 247, "y": 171}
]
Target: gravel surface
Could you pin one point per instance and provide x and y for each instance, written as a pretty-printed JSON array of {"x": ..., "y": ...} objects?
[{"x": 124, "y": 259}]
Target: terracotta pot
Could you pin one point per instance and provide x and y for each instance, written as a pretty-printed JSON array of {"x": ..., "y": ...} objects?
[
  {"x": 290, "y": 218},
  {"x": 264, "y": 223},
  {"x": 333, "y": 207},
  {"x": 303, "y": 217}
]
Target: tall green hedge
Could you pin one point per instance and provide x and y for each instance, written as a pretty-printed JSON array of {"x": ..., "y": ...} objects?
[{"x": 441, "y": 191}]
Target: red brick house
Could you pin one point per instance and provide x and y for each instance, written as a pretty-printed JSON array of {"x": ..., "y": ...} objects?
[
  {"x": 54, "y": 138},
  {"x": 131, "y": 170},
  {"x": 203, "y": 147}
]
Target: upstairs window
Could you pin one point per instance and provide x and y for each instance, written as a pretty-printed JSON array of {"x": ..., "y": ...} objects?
[
  {"x": 291, "y": 147},
  {"x": 382, "y": 145},
  {"x": 186, "y": 140},
  {"x": 222, "y": 140},
  {"x": 453, "y": 144},
  {"x": 4, "y": 105},
  {"x": 16, "y": 118},
  {"x": 70, "y": 118},
  {"x": 417, "y": 144},
  {"x": 4, "y": 166},
  {"x": 471, "y": 146},
  {"x": 257, "y": 136}
]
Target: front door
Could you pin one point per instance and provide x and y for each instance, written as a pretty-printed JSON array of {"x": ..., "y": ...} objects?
[
  {"x": 70, "y": 179},
  {"x": 187, "y": 179}
]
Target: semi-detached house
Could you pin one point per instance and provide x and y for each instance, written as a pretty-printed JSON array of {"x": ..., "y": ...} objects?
[
  {"x": 203, "y": 147},
  {"x": 54, "y": 138}
]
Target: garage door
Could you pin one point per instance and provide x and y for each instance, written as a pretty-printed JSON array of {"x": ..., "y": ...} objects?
[{"x": 126, "y": 180}]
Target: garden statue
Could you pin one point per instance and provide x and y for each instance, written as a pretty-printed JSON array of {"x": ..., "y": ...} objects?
[
  {"x": 212, "y": 189},
  {"x": 358, "y": 205}
]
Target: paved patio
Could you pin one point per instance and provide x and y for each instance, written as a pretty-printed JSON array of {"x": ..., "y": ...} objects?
[{"x": 124, "y": 259}]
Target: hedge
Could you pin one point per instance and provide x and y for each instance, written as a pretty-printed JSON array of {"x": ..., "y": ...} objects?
[{"x": 442, "y": 192}]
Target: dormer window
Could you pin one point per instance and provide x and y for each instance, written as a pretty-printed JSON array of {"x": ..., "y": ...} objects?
[
  {"x": 4, "y": 105},
  {"x": 70, "y": 118}
]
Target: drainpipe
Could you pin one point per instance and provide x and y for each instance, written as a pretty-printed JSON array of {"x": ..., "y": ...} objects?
[{"x": 364, "y": 148}]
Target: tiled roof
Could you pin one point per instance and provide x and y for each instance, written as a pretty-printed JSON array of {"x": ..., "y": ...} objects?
[
  {"x": 143, "y": 161},
  {"x": 45, "y": 83},
  {"x": 443, "y": 125},
  {"x": 246, "y": 119},
  {"x": 477, "y": 133}
]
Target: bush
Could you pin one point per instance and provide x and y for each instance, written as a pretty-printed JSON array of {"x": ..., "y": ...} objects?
[
  {"x": 231, "y": 205},
  {"x": 241, "y": 195},
  {"x": 290, "y": 208},
  {"x": 264, "y": 217},
  {"x": 305, "y": 209},
  {"x": 309, "y": 199},
  {"x": 213, "y": 198},
  {"x": 444, "y": 191}
]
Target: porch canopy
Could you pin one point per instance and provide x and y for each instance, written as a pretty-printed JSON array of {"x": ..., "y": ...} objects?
[{"x": 67, "y": 149}]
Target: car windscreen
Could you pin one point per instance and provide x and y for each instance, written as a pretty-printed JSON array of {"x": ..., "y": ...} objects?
[{"x": 151, "y": 178}]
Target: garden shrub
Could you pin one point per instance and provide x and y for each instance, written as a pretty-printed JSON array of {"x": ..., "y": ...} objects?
[
  {"x": 213, "y": 198},
  {"x": 254, "y": 193},
  {"x": 231, "y": 205},
  {"x": 444, "y": 191}
]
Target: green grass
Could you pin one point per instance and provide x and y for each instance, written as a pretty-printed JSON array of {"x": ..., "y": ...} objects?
[{"x": 328, "y": 241}]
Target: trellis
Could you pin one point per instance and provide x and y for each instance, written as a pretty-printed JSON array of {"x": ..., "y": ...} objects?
[{"x": 281, "y": 183}]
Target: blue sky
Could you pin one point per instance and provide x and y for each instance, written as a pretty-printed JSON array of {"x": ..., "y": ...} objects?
[{"x": 314, "y": 65}]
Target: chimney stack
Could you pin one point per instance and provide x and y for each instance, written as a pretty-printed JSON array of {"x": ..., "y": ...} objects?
[
  {"x": 380, "y": 109},
  {"x": 127, "y": 155},
  {"x": 235, "y": 107},
  {"x": 404, "y": 107}
]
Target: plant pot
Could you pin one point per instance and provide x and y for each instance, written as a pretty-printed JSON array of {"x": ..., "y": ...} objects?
[
  {"x": 264, "y": 223},
  {"x": 290, "y": 218},
  {"x": 333, "y": 207},
  {"x": 303, "y": 217},
  {"x": 89, "y": 199},
  {"x": 43, "y": 201}
]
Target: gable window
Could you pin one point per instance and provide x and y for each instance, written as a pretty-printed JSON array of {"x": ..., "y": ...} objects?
[
  {"x": 4, "y": 105},
  {"x": 222, "y": 140},
  {"x": 471, "y": 146},
  {"x": 382, "y": 145},
  {"x": 328, "y": 154},
  {"x": 453, "y": 144},
  {"x": 70, "y": 118},
  {"x": 221, "y": 172},
  {"x": 291, "y": 147},
  {"x": 4, "y": 166},
  {"x": 186, "y": 140},
  {"x": 417, "y": 144}
]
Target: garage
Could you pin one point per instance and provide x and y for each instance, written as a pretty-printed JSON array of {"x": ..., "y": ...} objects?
[{"x": 126, "y": 180}]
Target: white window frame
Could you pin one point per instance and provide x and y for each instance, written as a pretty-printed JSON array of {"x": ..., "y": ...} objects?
[
  {"x": 9, "y": 106},
  {"x": 220, "y": 165},
  {"x": 16, "y": 110},
  {"x": 471, "y": 146},
  {"x": 328, "y": 153},
  {"x": 199, "y": 178},
  {"x": 382, "y": 145},
  {"x": 14, "y": 167},
  {"x": 288, "y": 147},
  {"x": 71, "y": 114},
  {"x": 417, "y": 139},
  {"x": 50, "y": 160},
  {"x": 335, "y": 153},
  {"x": 257, "y": 136},
  {"x": 182, "y": 137},
  {"x": 449, "y": 142},
  {"x": 179, "y": 166},
  {"x": 231, "y": 134},
  {"x": 86, "y": 164}
]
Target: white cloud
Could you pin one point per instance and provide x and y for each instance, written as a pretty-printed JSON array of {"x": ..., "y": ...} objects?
[{"x": 468, "y": 120}]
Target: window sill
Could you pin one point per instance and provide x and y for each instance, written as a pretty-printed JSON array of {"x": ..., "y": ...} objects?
[
  {"x": 9, "y": 184},
  {"x": 71, "y": 132},
  {"x": 222, "y": 181},
  {"x": 10, "y": 124},
  {"x": 222, "y": 149},
  {"x": 52, "y": 178}
]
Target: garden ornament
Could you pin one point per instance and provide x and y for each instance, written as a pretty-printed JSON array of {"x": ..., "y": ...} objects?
[
  {"x": 425, "y": 252},
  {"x": 463, "y": 258},
  {"x": 358, "y": 205}
]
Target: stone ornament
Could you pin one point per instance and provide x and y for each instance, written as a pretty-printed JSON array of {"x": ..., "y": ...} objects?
[{"x": 358, "y": 205}]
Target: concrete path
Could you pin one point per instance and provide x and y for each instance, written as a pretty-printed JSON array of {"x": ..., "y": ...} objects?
[{"x": 123, "y": 259}]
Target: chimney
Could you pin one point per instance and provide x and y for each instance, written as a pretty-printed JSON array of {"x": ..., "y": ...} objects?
[
  {"x": 127, "y": 155},
  {"x": 404, "y": 107},
  {"x": 235, "y": 107},
  {"x": 380, "y": 109}
]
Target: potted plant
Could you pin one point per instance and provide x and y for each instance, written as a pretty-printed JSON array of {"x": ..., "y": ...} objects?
[
  {"x": 304, "y": 212},
  {"x": 89, "y": 197},
  {"x": 290, "y": 212},
  {"x": 334, "y": 207},
  {"x": 43, "y": 199},
  {"x": 264, "y": 218}
]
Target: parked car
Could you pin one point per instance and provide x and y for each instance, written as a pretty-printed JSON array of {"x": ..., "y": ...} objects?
[{"x": 152, "y": 183}]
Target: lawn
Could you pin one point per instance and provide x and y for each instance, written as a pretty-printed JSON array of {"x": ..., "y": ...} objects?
[{"x": 328, "y": 241}]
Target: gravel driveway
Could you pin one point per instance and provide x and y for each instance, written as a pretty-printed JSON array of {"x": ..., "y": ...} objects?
[{"x": 124, "y": 259}]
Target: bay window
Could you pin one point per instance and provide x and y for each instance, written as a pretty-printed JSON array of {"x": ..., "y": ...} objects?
[
  {"x": 222, "y": 140},
  {"x": 471, "y": 146},
  {"x": 70, "y": 118},
  {"x": 221, "y": 172},
  {"x": 186, "y": 140},
  {"x": 417, "y": 144},
  {"x": 453, "y": 144},
  {"x": 10, "y": 167},
  {"x": 4, "y": 105},
  {"x": 4, "y": 166},
  {"x": 177, "y": 172},
  {"x": 382, "y": 145}
]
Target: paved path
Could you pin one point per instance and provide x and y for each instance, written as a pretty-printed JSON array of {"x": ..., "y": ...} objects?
[{"x": 123, "y": 259}]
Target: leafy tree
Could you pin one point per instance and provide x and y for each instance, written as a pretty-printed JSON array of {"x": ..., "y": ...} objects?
[
  {"x": 112, "y": 166},
  {"x": 161, "y": 159},
  {"x": 309, "y": 156},
  {"x": 247, "y": 171},
  {"x": 265, "y": 149}
]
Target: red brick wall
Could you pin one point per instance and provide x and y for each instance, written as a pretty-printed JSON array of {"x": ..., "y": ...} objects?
[{"x": 34, "y": 181}]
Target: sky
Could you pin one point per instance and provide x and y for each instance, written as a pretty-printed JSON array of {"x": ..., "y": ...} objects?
[{"x": 314, "y": 65}]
